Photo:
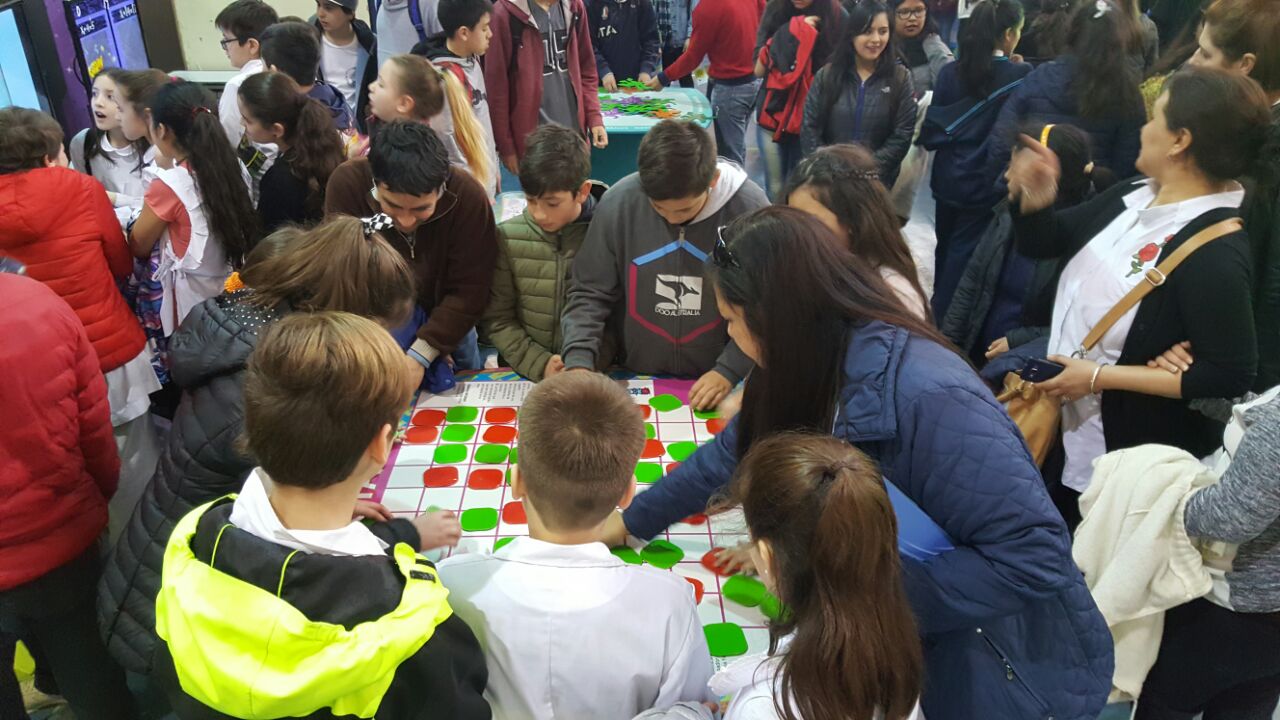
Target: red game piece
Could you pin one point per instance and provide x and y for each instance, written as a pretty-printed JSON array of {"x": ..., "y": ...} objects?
[
  {"x": 428, "y": 418},
  {"x": 671, "y": 467},
  {"x": 421, "y": 434},
  {"x": 513, "y": 513},
  {"x": 697, "y": 590},
  {"x": 486, "y": 479},
  {"x": 440, "y": 477},
  {"x": 653, "y": 449},
  {"x": 500, "y": 416},
  {"x": 500, "y": 434},
  {"x": 715, "y": 426},
  {"x": 645, "y": 410},
  {"x": 711, "y": 561},
  {"x": 698, "y": 519}
]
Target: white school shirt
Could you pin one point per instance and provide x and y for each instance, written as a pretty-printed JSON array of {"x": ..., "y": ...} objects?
[
  {"x": 339, "y": 63},
  {"x": 1102, "y": 273},
  {"x": 570, "y": 631},
  {"x": 229, "y": 111},
  {"x": 116, "y": 168},
  {"x": 253, "y": 513}
]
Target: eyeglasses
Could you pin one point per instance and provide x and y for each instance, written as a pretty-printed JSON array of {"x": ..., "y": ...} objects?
[
  {"x": 721, "y": 255},
  {"x": 227, "y": 41},
  {"x": 910, "y": 14}
]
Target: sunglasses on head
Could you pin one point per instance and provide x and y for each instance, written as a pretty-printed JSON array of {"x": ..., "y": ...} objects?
[{"x": 721, "y": 255}]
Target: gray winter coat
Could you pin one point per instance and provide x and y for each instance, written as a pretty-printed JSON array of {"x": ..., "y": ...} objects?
[{"x": 880, "y": 114}]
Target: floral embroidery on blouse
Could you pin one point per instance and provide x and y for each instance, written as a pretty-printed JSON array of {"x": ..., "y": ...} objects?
[{"x": 1146, "y": 254}]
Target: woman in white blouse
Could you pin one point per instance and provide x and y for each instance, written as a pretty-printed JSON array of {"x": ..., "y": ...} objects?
[
  {"x": 1207, "y": 129},
  {"x": 824, "y": 540}
]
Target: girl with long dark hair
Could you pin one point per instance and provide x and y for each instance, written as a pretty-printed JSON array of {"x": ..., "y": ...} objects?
[
  {"x": 919, "y": 46},
  {"x": 839, "y": 186},
  {"x": 276, "y": 112},
  {"x": 864, "y": 95},
  {"x": 1008, "y": 625},
  {"x": 198, "y": 213},
  {"x": 963, "y": 180},
  {"x": 104, "y": 151}
]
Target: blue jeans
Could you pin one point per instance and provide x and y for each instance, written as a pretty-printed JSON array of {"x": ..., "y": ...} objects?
[
  {"x": 465, "y": 357},
  {"x": 732, "y": 105}
]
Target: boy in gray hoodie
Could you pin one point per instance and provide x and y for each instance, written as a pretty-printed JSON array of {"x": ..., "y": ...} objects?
[{"x": 643, "y": 265}]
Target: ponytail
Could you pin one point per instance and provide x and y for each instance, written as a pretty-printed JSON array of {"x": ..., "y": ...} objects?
[
  {"x": 466, "y": 129},
  {"x": 315, "y": 149},
  {"x": 1105, "y": 87},
  {"x": 821, "y": 508},
  {"x": 189, "y": 112},
  {"x": 987, "y": 25}
]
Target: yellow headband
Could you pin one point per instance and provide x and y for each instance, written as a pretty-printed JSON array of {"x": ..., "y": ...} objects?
[{"x": 1044, "y": 135}]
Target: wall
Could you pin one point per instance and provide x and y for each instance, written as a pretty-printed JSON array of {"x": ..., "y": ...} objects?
[{"x": 200, "y": 38}]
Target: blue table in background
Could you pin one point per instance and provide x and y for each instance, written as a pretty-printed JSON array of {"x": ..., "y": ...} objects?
[{"x": 625, "y": 131}]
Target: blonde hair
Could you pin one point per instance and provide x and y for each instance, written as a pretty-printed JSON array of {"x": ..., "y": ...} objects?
[
  {"x": 319, "y": 388},
  {"x": 431, "y": 89}
]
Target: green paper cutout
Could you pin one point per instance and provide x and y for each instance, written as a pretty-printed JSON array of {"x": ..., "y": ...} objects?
[
  {"x": 515, "y": 455},
  {"x": 501, "y": 542},
  {"x": 771, "y": 607},
  {"x": 666, "y": 403},
  {"x": 479, "y": 519},
  {"x": 662, "y": 554},
  {"x": 462, "y": 414},
  {"x": 627, "y": 555},
  {"x": 458, "y": 433},
  {"x": 492, "y": 454},
  {"x": 706, "y": 414},
  {"x": 725, "y": 639},
  {"x": 449, "y": 454},
  {"x": 648, "y": 473},
  {"x": 680, "y": 451},
  {"x": 746, "y": 591},
  {"x": 650, "y": 432}
]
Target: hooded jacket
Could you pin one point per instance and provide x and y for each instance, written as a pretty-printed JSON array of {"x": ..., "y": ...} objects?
[
  {"x": 471, "y": 72},
  {"x": 395, "y": 30},
  {"x": 879, "y": 113},
  {"x": 1009, "y": 629},
  {"x": 268, "y": 632},
  {"x": 653, "y": 275},
  {"x": 530, "y": 285},
  {"x": 59, "y": 223},
  {"x": 624, "y": 34},
  {"x": 366, "y": 68},
  {"x": 513, "y": 75},
  {"x": 333, "y": 101}
]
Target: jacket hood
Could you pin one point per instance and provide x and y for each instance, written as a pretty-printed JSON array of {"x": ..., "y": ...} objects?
[
  {"x": 285, "y": 663},
  {"x": 29, "y": 202},
  {"x": 334, "y": 102},
  {"x": 217, "y": 337},
  {"x": 598, "y": 190},
  {"x": 732, "y": 178},
  {"x": 435, "y": 48}
]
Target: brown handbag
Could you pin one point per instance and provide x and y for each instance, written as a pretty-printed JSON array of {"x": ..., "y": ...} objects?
[{"x": 1035, "y": 413}]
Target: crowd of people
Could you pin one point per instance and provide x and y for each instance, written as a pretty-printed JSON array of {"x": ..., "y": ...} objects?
[{"x": 1079, "y": 390}]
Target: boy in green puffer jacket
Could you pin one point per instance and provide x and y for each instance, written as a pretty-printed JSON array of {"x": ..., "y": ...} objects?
[{"x": 536, "y": 251}]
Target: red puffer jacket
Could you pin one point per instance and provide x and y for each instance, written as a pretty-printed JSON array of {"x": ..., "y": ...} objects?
[
  {"x": 58, "y": 462},
  {"x": 60, "y": 224}
]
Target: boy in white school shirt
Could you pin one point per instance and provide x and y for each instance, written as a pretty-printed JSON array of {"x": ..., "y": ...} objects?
[
  {"x": 241, "y": 24},
  {"x": 569, "y": 630}
]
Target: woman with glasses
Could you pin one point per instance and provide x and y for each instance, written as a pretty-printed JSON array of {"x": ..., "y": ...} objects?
[
  {"x": 1008, "y": 627},
  {"x": 920, "y": 47}
]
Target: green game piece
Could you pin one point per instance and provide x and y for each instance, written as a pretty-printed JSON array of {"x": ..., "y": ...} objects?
[
  {"x": 515, "y": 455},
  {"x": 458, "y": 433},
  {"x": 648, "y": 473},
  {"x": 662, "y": 554},
  {"x": 501, "y": 542},
  {"x": 725, "y": 639},
  {"x": 746, "y": 591},
  {"x": 706, "y": 414},
  {"x": 681, "y": 451},
  {"x": 462, "y": 414},
  {"x": 650, "y": 431},
  {"x": 449, "y": 454},
  {"x": 666, "y": 403},
  {"x": 431, "y": 508},
  {"x": 479, "y": 519},
  {"x": 492, "y": 454},
  {"x": 627, "y": 555},
  {"x": 771, "y": 607},
  {"x": 508, "y": 477}
]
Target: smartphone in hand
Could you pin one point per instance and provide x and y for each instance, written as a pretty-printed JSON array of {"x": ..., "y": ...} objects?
[{"x": 1038, "y": 371}]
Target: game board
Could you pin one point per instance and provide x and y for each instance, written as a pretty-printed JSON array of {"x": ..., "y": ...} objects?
[
  {"x": 457, "y": 451},
  {"x": 632, "y": 111}
]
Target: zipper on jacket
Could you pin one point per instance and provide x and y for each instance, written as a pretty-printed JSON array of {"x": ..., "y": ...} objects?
[
  {"x": 1011, "y": 674},
  {"x": 857, "y": 110},
  {"x": 679, "y": 333}
]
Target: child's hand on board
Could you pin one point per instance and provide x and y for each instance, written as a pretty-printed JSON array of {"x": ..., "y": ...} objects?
[
  {"x": 370, "y": 510},
  {"x": 609, "y": 83},
  {"x": 710, "y": 389},
  {"x": 438, "y": 529}
]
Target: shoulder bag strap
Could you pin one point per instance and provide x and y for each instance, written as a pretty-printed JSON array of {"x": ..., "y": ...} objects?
[{"x": 1155, "y": 277}]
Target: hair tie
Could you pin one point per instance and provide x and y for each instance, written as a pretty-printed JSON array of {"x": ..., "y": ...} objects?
[
  {"x": 199, "y": 109},
  {"x": 1044, "y": 135},
  {"x": 1101, "y": 7},
  {"x": 376, "y": 224}
]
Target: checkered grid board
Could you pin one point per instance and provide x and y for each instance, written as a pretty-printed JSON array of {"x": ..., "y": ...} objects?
[{"x": 456, "y": 452}]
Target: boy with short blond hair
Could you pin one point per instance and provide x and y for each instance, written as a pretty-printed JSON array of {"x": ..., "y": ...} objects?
[
  {"x": 536, "y": 251},
  {"x": 307, "y": 612},
  {"x": 568, "y": 629}
]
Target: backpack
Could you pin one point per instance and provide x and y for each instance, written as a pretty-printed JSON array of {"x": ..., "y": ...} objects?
[
  {"x": 415, "y": 17},
  {"x": 788, "y": 62}
]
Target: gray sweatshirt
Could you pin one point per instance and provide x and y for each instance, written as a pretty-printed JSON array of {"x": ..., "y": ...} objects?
[
  {"x": 1244, "y": 508},
  {"x": 443, "y": 123},
  {"x": 396, "y": 33},
  {"x": 637, "y": 272}
]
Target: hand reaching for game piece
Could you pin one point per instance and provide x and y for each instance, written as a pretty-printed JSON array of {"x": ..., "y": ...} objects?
[
  {"x": 599, "y": 138},
  {"x": 736, "y": 560},
  {"x": 654, "y": 83},
  {"x": 555, "y": 366},
  {"x": 710, "y": 389},
  {"x": 370, "y": 510},
  {"x": 438, "y": 529},
  {"x": 609, "y": 82},
  {"x": 644, "y": 78}
]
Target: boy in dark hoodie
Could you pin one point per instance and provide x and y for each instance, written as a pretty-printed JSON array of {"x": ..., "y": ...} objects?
[
  {"x": 348, "y": 54},
  {"x": 293, "y": 48},
  {"x": 536, "y": 251},
  {"x": 279, "y": 601},
  {"x": 624, "y": 34},
  {"x": 644, "y": 265}
]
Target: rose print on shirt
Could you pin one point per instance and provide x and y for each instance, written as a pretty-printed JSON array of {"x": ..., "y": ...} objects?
[{"x": 1146, "y": 254}]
